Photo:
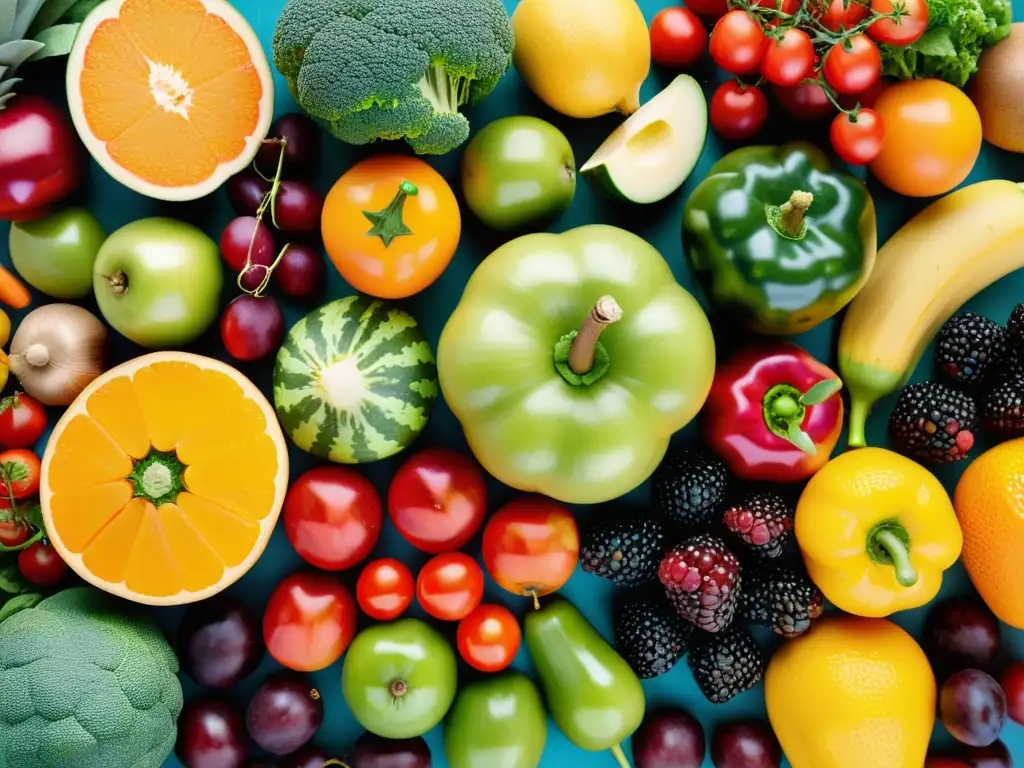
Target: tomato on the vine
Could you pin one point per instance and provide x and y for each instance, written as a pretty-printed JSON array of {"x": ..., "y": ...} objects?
[
  {"x": 21, "y": 467},
  {"x": 857, "y": 138},
  {"x": 384, "y": 589},
  {"x": 709, "y": 8},
  {"x": 14, "y": 533},
  {"x": 489, "y": 638},
  {"x": 854, "y": 65},
  {"x": 806, "y": 102},
  {"x": 738, "y": 43},
  {"x": 42, "y": 565},
  {"x": 678, "y": 38},
  {"x": 844, "y": 13},
  {"x": 911, "y": 26},
  {"x": 738, "y": 111},
  {"x": 790, "y": 59},
  {"x": 450, "y": 586},
  {"x": 309, "y": 622},
  {"x": 22, "y": 421}
]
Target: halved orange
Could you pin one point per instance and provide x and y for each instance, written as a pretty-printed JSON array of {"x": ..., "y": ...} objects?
[
  {"x": 171, "y": 97},
  {"x": 163, "y": 480}
]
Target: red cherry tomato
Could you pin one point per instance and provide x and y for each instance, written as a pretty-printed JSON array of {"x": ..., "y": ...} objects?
[
  {"x": 309, "y": 622},
  {"x": 866, "y": 98},
  {"x": 22, "y": 421},
  {"x": 844, "y": 13},
  {"x": 806, "y": 102},
  {"x": 385, "y": 589},
  {"x": 14, "y": 533},
  {"x": 21, "y": 467},
  {"x": 853, "y": 69},
  {"x": 738, "y": 111},
  {"x": 709, "y": 8},
  {"x": 489, "y": 638},
  {"x": 333, "y": 517},
  {"x": 41, "y": 565},
  {"x": 738, "y": 44},
  {"x": 911, "y": 26},
  {"x": 531, "y": 546},
  {"x": 789, "y": 60},
  {"x": 678, "y": 38},
  {"x": 450, "y": 586},
  {"x": 857, "y": 140},
  {"x": 437, "y": 500}
]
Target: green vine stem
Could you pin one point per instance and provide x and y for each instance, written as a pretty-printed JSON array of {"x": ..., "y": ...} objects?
[{"x": 269, "y": 201}]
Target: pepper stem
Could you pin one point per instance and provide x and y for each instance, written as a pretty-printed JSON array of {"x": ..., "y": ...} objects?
[
  {"x": 388, "y": 223},
  {"x": 581, "y": 355},
  {"x": 788, "y": 219},
  {"x": 620, "y": 756},
  {"x": 889, "y": 544}
]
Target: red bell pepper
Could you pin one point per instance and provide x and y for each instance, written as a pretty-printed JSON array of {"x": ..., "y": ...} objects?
[{"x": 774, "y": 413}]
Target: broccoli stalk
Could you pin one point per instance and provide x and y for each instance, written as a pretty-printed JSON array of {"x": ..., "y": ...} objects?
[{"x": 445, "y": 91}]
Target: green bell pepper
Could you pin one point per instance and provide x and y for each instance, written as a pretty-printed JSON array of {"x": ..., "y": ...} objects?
[
  {"x": 779, "y": 240},
  {"x": 545, "y": 406}
]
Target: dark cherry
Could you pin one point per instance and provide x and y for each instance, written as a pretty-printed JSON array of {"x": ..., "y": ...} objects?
[
  {"x": 252, "y": 328},
  {"x": 669, "y": 738},
  {"x": 310, "y": 756},
  {"x": 300, "y": 273},
  {"x": 246, "y": 191},
  {"x": 219, "y": 642},
  {"x": 372, "y": 751},
  {"x": 935, "y": 761},
  {"x": 993, "y": 756},
  {"x": 960, "y": 633},
  {"x": 210, "y": 735},
  {"x": 301, "y": 151},
  {"x": 1012, "y": 681},
  {"x": 972, "y": 707},
  {"x": 235, "y": 242},
  {"x": 297, "y": 208},
  {"x": 284, "y": 713},
  {"x": 745, "y": 744}
]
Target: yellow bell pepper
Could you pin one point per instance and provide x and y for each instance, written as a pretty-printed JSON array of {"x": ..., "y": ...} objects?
[{"x": 876, "y": 530}]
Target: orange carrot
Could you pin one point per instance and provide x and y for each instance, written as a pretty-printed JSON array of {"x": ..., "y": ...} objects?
[{"x": 13, "y": 292}]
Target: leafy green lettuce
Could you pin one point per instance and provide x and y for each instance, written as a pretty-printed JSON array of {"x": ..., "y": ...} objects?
[{"x": 958, "y": 32}]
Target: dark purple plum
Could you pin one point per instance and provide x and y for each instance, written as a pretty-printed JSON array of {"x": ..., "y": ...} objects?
[
  {"x": 960, "y": 633},
  {"x": 745, "y": 744},
  {"x": 219, "y": 642},
  {"x": 252, "y": 327},
  {"x": 372, "y": 751},
  {"x": 246, "y": 191},
  {"x": 210, "y": 735},
  {"x": 300, "y": 152},
  {"x": 669, "y": 738},
  {"x": 300, "y": 273},
  {"x": 972, "y": 706},
  {"x": 284, "y": 713},
  {"x": 310, "y": 756},
  {"x": 297, "y": 208},
  {"x": 993, "y": 756}
]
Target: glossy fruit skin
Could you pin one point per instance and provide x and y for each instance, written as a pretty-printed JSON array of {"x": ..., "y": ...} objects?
[
  {"x": 158, "y": 282},
  {"x": 738, "y": 112},
  {"x": 932, "y": 138},
  {"x": 973, "y": 707},
  {"x": 373, "y": 751},
  {"x": 385, "y": 589},
  {"x": 823, "y": 671},
  {"x": 669, "y": 738},
  {"x": 55, "y": 254},
  {"x": 788, "y": 61},
  {"x": 857, "y": 141},
  {"x": 843, "y": 13},
  {"x": 246, "y": 191},
  {"x": 252, "y": 327},
  {"x": 298, "y": 208},
  {"x": 496, "y": 721},
  {"x": 911, "y": 27},
  {"x": 309, "y": 621},
  {"x": 678, "y": 38},
  {"x": 22, "y": 421},
  {"x": 219, "y": 642},
  {"x": 450, "y": 586},
  {"x": 284, "y": 713},
  {"x": 211, "y": 735},
  {"x": 301, "y": 271},
  {"x": 22, "y": 467},
  {"x": 709, "y": 8},
  {"x": 40, "y": 158},
  {"x": 41, "y": 565},
  {"x": 993, "y": 756},
  {"x": 855, "y": 68},
  {"x": 239, "y": 245},
  {"x": 13, "y": 533},
  {"x": 399, "y": 678},
  {"x": 960, "y": 633},
  {"x": 310, "y": 756},
  {"x": 333, "y": 517},
  {"x": 745, "y": 744},
  {"x": 488, "y": 638},
  {"x": 531, "y": 546},
  {"x": 806, "y": 102},
  {"x": 301, "y": 149},
  {"x": 1012, "y": 682},
  {"x": 737, "y": 43},
  {"x": 437, "y": 500}
]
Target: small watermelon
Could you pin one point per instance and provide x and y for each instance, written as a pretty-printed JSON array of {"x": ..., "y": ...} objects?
[{"x": 355, "y": 381}]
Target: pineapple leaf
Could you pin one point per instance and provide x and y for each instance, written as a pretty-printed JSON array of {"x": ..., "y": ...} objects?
[
  {"x": 57, "y": 41},
  {"x": 6, "y": 86},
  {"x": 48, "y": 15},
  {"x": 8, "y": 10},
  {"x": 5, "y": 98},
  {"x": 27, "y": 10},
  {"x": 16, "y": 52},
  {"x": 79, "y": 11}
]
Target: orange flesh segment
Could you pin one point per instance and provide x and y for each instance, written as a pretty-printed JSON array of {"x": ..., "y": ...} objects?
[
  {"x": 222, "y": 416},
  {"x": 87, "y": 456},
  {"x": 232, "y": 486},
  {"x": 107, "y": 556},
  {"x": 198, "y": 564},
  {"x": 112, "y": 55},
  {"x": 232, "y": 537},
  {"x": 116, "y": 407},
  {"x": 151, "y": 569},
  {"x": 80, "y": 515},
  {"x": 165, "y": 391}
]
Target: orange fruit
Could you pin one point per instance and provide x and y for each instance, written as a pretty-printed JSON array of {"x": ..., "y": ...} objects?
[
  {"x": 989, "y": 502},
  {"x": 171, "y": 97},
  {"x": 163, "y": 480}
]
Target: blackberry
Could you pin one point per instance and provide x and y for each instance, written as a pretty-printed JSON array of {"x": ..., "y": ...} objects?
[
  {"x": 969, "y": 348},
  {"x": 933, "y": 423},
  {"x": 1015, "y": 328},
  {"x": 689, "y": 487},
  {"x": 1002, "y": 410},
  {"x": 762, "y": 520},
  {"x": 727, "y": 664},
  {"x": 783, "y": 599},
  {"x": 649, "y": 634},
  {"x": 702, "y": 579},
  {"x": 624, "y": 550}
]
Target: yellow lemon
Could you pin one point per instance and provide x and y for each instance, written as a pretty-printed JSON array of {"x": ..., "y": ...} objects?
[{"x": 583, "y": 58}]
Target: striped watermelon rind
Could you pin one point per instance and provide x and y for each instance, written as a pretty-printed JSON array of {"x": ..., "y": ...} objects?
[{"x": 355, "y": 381}]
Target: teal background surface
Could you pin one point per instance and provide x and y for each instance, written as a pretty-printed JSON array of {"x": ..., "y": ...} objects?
[{"x": 660, "y": 225}]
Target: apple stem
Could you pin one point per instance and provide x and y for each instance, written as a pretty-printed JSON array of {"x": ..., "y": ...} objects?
[
  {"x": 119, "y": 283},
  {"x": 536, "y": 601},
  {"x": 620, "y": 756}
]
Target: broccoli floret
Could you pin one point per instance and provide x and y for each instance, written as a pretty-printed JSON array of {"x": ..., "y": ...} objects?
[{"x": 399, "y": 70}]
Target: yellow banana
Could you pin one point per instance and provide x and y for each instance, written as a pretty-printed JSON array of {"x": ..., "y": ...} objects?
[{"x": 939, "y": 259}]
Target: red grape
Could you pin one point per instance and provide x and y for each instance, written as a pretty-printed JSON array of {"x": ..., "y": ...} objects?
[
  {"x": 235, "y": 241},
  {"x": 284, "y": 713},
  {"x": 993, "y": 756},
  {"x": 252, "y": 327},
  {"x": 300, "y": 273},
  {"x": 297, "y": 208},
  {"x": 960, "y": 633},
  {"x": 302, "y": 148},
  {"x": 972, "y": 707},
  {"x": 1012, "y": 681},
  {"x": 246, "y": 191},
  {"x": 372, "y": 751},
  {"x": 745, "y": 744},
  {"x": 669, "y": 738},
  {"x": 219, "y": 642},
  {"x": 310, "y": 756},
  {"x": 210, "y": 735}
]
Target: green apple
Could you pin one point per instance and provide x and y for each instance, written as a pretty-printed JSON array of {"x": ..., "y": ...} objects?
[
  {"x": 55, "y": 255},
  {"x": 517, "y": 173},
  {"x": 399, "y": 678},
  {"x": 158, "y": 282}
]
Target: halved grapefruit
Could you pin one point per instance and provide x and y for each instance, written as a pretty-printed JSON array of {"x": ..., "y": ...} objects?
[
  {"x": 171, "y": 97},
  {"x": 162, "y": 482}
]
